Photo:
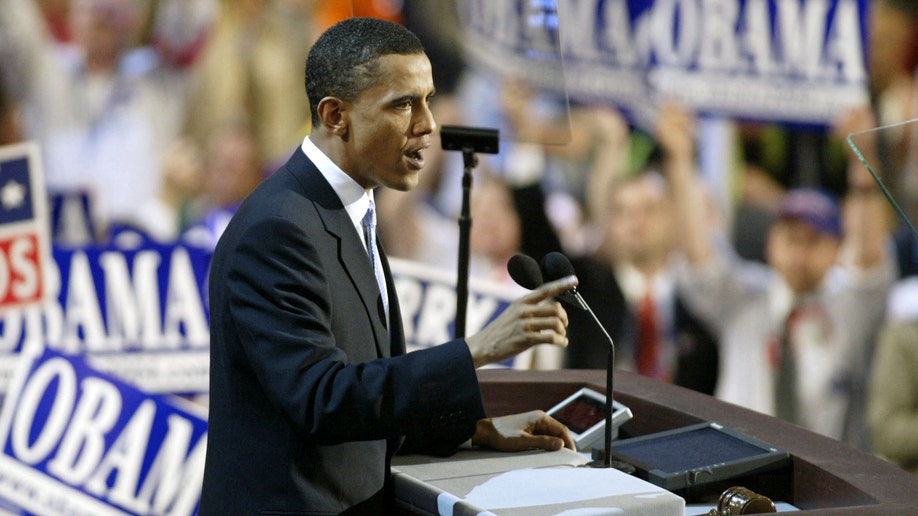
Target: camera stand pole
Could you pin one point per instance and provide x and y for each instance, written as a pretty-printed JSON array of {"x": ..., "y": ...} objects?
[
  {"x": 465, "y": 228},
  {"x": 469, "y": 140}
]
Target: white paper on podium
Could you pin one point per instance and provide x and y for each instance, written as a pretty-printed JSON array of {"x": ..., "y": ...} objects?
[
  {"x": 559, "y": 485},
  {"x": 530, "y": 483}
]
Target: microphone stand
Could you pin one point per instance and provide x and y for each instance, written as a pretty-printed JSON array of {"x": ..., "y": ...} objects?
[
  {"x": 555, "y": 265},
  {"x": 607, "y": 461}
]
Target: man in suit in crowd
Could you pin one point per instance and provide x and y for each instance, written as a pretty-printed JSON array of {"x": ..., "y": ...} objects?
[
  {"x": 311, "y": 389},
  {"x": 629, "y": 281}
]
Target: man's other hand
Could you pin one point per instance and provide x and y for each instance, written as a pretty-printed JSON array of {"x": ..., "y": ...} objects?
[{"x": 519, "y": 432}]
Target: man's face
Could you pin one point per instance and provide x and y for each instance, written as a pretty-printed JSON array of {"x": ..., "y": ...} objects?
[
  {"x": 801, "y": 254},
  {"x": 389, "y": 124},
  {"x": 496, "y": 232},
  {"x": 891, "y": 45},
  {"x": 102, "y": 28},
  {"x": 640, "y": 220}
]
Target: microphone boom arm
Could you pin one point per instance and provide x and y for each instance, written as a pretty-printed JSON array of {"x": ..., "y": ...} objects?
[{"x": 610, "y": 371}]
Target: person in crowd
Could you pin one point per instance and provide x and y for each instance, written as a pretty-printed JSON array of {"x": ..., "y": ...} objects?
[
  {"x": 231, "y": 169},
  {"x": 892, "y": 408},
  {"x": 893, "y": 72},
  {"x": 103, "y": 110},
  {"x": 629, "y": 280},
  {"x": 622, "y": 250},
  {"x": 248, "y": 72},
  {"x": 181, "y": 169},
  {"x": 759, "y": 185},
  {"x": 496, "y": 232},
  {"x": 307, "y": 347},
  {"x": 9, "y": 118},
  {"x": 795, "y": 334}
]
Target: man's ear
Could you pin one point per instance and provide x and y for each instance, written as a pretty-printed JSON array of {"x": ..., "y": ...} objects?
[{"x": 331, "y": 114}]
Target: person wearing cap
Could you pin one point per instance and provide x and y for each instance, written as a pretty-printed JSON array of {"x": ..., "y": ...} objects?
[{"x": 796, "y": 333}]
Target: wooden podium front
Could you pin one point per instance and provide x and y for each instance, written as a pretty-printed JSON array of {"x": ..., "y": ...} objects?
[{"x": 825, "y": 476}]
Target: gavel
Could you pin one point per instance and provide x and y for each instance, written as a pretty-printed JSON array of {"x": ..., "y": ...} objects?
[{"x": 739, "y": 500}]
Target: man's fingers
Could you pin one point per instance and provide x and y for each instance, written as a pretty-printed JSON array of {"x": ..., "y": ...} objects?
[
  {"x": 550, "y": 426},
  {"x": 553, "y": 323},
  {"x": 551, "y": 289},
  {"x": 530, "y": 320},
  {"x": 526, "y": 431},
  {"x": 535, "y": 442}
]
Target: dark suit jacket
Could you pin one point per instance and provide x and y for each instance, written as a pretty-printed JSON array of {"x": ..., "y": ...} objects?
[{"x": 310, "y": 395}]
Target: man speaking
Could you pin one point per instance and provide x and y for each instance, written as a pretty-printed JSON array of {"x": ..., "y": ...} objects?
[{"x": 311, "y": 389}]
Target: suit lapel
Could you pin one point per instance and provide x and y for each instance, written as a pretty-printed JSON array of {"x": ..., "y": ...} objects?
[{"x": 352, "y": 255}]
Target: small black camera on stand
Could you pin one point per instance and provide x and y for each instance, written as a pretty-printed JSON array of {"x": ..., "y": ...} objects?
[{"x": 469, "y": 140}]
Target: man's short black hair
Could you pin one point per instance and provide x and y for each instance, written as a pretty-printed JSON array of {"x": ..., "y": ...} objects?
[{"x": 343, "y": 61}]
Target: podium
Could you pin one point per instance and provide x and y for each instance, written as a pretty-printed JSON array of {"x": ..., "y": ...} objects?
[
  {"x": 824, "y": 476},
  {"x": 532, "y": 483}
]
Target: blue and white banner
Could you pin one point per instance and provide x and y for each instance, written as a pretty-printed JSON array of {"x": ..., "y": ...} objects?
[
  {"x": 799, "y": 61},
  {"x": 24, "y": 242},
  {"x": 79, "y": 442},
  {"x": 427, "y": 298},
  {"x": 140, "y": 314}
]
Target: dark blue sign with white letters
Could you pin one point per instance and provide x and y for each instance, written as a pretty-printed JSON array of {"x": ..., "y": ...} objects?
[
  {"x": 140, "y": 314},
  {"x": 801, "y": 61},
  {"x": 15, "y": 191},
  {"x": 77, "y": 441}
]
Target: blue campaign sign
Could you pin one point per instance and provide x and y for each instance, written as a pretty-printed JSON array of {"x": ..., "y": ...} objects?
[
  {"x": 427, "y": 299},
  {"x": 25, "y": 252},
  {"x": 139, "y": 313},
  {"x": 799, "y": 61},
  {"x": 142, "y": 314},
  {"x": 77, "y": 441},
  {"x": 15, "y": 191}
]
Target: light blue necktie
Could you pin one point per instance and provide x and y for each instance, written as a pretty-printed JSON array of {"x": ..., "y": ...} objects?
[{"x": 369, "y": 233}]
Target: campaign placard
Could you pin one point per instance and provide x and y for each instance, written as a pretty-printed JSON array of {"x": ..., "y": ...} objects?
[
  {"x": 427, "y": 299},
  {"x": 795, "y": 61},
  {"x": 140, "y": 314},
  {"x": 24, "y": 242},
  {"x": 77, "y": 441}
]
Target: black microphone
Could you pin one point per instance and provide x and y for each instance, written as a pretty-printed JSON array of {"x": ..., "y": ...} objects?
[
  {"x": 555, "y": 266},
  {"x": 525, "y": 271}
]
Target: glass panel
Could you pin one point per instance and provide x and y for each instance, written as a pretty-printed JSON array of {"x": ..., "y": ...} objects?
[
  {"x": 513, "y": 51},
  {"x": 890, "y": 153}
]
